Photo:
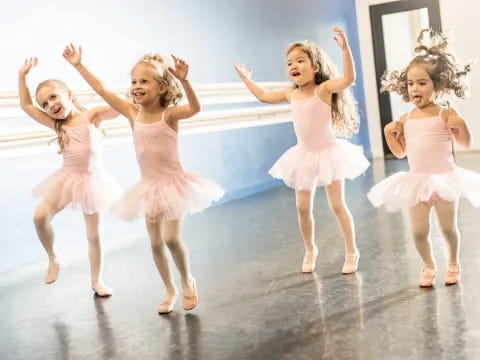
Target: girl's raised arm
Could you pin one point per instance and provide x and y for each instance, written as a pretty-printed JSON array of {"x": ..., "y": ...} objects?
[
  {"x": 74, "y": 57},
  {"x": 24, "y": 94},
  {"x": 180, "y": 71},
  {"x": 342, "y": 82}
]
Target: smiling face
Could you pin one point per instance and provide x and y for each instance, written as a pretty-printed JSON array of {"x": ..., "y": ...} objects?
[
  {"x": 300, "y": 68},
  {"x": 56, "y": 102},
  {"x": 145, "y": 89},
  {"x": 421, "y": 90}
]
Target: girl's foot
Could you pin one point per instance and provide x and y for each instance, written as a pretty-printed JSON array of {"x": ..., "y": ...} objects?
[
  {"x": 190, "y": 297},
  {"x": 351, "y": 263},
  {"x": 52, "y": 272},
  {"x": 167, "y": 305},
  {"x": 453, "y": 275},
  {"x": 101, "y": 290},
  {"x": 427, "y": 277},
  {"x": 310, "y": 260}
]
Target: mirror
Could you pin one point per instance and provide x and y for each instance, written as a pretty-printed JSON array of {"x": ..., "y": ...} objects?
[{"x": 400, "y": 32}]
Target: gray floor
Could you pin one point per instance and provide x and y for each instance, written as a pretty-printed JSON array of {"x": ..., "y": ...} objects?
[{"x": 254, "y": 302}]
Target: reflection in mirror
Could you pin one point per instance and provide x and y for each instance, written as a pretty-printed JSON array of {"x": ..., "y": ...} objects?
[{"x": 400, "y": 32}]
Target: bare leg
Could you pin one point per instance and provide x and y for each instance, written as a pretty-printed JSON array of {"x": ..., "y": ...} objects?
[
  {"x": 420, "y": 219},
  {"x": 336, "y": 200},
  {"x": 162, "y": 263},
  {"x": 447, "y": 221},
  {"x": 94, "y": 230},
  {"x": 42, "y": 217},
  {"x": 180, "y": 257},
  {"x": 306, "y": 222}
]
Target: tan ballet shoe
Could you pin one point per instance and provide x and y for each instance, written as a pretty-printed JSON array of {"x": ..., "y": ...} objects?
[
  {"x": 190, "y": 301},
  {"x": 427, "y": 277},
  {"x": 351, "y": 263},
  {"x": 167, "y": 305},
  {"x": 102, "y": 290},
  {"x": 453, "y": 274},
  {"x": 52, "y": 272},
  {"x": 310, "y": 260}
]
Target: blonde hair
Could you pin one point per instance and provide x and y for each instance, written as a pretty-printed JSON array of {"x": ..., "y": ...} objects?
[
  {"x": 62, "y": 137},
  {"x": 446, "y": 73},
  {"x": 160, "y": 64},
  {"x": 345, "y": 118}
]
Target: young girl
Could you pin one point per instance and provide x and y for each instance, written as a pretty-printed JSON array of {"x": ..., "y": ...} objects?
[
  {"x": 166, "y": 193},
  {"x": 321, "y": 108},
  {"x": 81, "y": 182},
  {"x": 425, "y": 136}
]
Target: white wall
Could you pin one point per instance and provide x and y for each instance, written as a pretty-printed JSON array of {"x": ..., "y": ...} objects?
[{"x": 460, "y": 20}]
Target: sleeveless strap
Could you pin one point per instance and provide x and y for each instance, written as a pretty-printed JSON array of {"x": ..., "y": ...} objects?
[
  {"x": 291, "y": 95},
  {"x": 138, "y": 116}
]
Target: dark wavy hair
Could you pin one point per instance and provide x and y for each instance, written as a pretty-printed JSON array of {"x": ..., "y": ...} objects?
[
  {"x": 345, "y": 118},
  {"x": 446, "y": 73}
]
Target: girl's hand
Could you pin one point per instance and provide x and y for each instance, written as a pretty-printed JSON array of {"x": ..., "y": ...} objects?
[
  {"x": 180, "y": 70},
  {"x": 395, "y": 128},
  {"x": 72, "y": 54},
  {"x": 242, "y": 71},
  {"x": 340, "y": 38},
  {"x": 27, "y": 65},
  {"x": 454, "y": 122}
]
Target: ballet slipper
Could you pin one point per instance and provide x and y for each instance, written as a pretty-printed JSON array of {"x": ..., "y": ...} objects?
[
  {"x": 309, "y": 260},
  {"x": 167, "y": 305},
  {"x": 351, "y": 263},
  {"x": 102, "y": 290},
  {"x": 190, "y": 301},
  {"x": 52, "y": 272}
]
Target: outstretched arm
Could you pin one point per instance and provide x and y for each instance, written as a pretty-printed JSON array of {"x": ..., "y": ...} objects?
[
  {"x": 269, "y": 97},
  {"x": 395, "y": 138},
  {"x": 74, "y": 57},
  {"x": 101, "y": 113},
  {"x": 348, "y": 77},
  {"x": 24, "y": 94},
  {"x": 180, "y": 71}
]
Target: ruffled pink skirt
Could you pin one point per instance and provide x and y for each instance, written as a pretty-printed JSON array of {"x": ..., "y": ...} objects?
[
  {"x": 90, "y": 192},
  {"x": 305, "y": 170},
  {"x": 407, "y": 188},
  {"x": 170, "y": 199}
]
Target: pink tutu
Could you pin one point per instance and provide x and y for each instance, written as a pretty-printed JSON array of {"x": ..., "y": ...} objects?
[
  {"x": 170, "y": 199},
  {"x": 304, "y": 170},
  {"x": 407, "y": 188},
  {"x": 92, "y": 192}
]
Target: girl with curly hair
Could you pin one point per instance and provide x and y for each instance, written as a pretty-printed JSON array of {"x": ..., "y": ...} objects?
[
  {"x": 321, "y": 109},
  {"x": 166, "y": 192},
  {"x": 425, "y": 136}
]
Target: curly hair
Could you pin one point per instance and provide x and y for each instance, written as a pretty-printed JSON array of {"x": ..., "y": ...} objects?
[
  {"x": 345, "y": 118},
  {"x": 446, "y": 73},
  {"x": 160, "y": 64},
  {"x": 62, "y": 136}
]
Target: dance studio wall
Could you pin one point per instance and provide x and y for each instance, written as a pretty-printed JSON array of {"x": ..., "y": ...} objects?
[{"x": 211, "y": 35}]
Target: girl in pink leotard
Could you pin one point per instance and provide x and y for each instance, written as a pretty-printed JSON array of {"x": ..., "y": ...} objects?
[
  {"x": 82, "y": 182},
  {"x": 166, "y": 192},
  {"x": 321, "y": 109},
  {"x": 425, "y": 136}
]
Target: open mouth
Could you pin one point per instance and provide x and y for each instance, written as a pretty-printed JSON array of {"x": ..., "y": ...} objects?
[
  {"x": 57, "y": 110},
  {"x": 295, "y": 74},
  {"x": 416, "y": 98}
]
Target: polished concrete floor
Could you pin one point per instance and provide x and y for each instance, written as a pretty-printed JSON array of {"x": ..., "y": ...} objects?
[{"x": 254, "y": 301}]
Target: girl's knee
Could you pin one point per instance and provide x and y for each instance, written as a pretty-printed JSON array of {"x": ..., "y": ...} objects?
[
  {"x": 157, "y": 247},
  {"x": 172, "y": 241},
  {"x": 40, "y": 218},
  {"x": 420, "y": 235},
  {"x": 338, "y": 209},
  {"x": 450, "y": 232},
  {"x": 304, "y": 210}
]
